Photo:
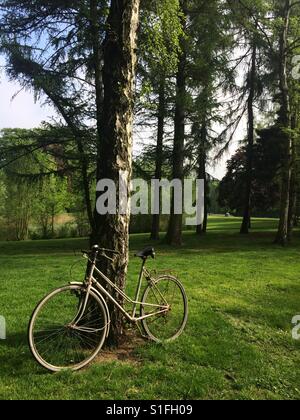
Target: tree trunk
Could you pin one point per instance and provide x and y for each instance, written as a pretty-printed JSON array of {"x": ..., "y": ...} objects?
[
  {"x": 202, "y": 156},
  {"x": 115, "y": 145},
  {"x": 159, "y": 154},
  {"x": 52, "y": 221},
  {"x": 285, "y": 124},
  {"x": 85, "y": 181},
  {"x": 292, "y": 206},
  {"x": 249, "y": 166},
  {"x": 174, "y": 234},
  {"x": 293, "y": 184}
]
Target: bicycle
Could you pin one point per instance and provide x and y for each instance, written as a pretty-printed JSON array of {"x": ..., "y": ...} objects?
[{"x": 69, "y": 326}]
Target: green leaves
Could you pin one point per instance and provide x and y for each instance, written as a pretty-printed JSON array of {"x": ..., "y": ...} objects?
[{"x": 161, "y": 31}]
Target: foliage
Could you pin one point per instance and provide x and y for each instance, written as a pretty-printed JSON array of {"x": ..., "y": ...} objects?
[
  {"x": 266, "y": 165},
  {"x": 35, "y": 188},
  {"x": 161, "y": 30}
]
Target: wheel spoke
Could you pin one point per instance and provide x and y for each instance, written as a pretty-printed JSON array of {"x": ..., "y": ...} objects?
[
  {"x": 168, "y": 325},
  {"x": 56, "y": 343}
]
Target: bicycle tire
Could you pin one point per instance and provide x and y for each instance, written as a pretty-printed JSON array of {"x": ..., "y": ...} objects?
[
  {"x": 156, "y": 326},
  {"x": 89, "y": 334}
]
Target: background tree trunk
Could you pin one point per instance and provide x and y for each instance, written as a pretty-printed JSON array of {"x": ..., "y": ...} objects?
[
  {"x": 285, "y": 125},
  {"x": 202, "y": 156},
  {"x": 159, "y": 153},
  {"x": 52, "y": 221},
  {"x": 115, "y": 148},
  {"x": 246, "y": 224},
  {"x": 174, "y": 234},
  {"x": 294, "y": 183}
]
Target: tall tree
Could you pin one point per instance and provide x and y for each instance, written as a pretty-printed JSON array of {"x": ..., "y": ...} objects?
[
  {"x": 161, "y": 31},
  {"x": 155, "y": 229},
  {"x": 208, "y": 75},
  {"x": 284, "y": 121},
  {"x": 247, "y": 18},
  {"x": 115, "y": 148},
  {"x": 250, "y": 139},
  {"x": 294, "y": 193},
  {"x": 294, "y": 86},
  {"x": 294, "y": 180},
  {"x": 174, "y": 234}
]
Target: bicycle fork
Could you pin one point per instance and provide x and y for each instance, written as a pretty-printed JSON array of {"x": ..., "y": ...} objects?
[{"x": 83, "y": 304}]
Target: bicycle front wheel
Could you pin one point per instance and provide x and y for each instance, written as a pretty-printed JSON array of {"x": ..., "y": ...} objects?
[
  {"x": 64, "y": 333},
  {"x": 166, "y": 291}
]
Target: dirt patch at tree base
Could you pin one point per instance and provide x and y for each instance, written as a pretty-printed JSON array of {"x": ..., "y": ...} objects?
[{"x": 126, "y": 353}]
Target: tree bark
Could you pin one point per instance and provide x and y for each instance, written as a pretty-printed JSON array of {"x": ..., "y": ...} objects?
[
  {"x": 159, "y": 154},
  {"x": 115, "y": 146},
  {"x": 293, "y": 183},
  {"x": 246, "y": 224},
  {"x": 174, "y": 234},
  {"x": 285, "y": 125},
  {"x": 52, "y": 221},
  {"x": 202, "y": 156},
  {"x": 85, "y": 181}
]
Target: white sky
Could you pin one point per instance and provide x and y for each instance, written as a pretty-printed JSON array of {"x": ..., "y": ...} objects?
[{"x": 23, "y": 112}]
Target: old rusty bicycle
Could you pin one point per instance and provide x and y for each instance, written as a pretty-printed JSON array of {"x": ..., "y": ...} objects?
[{"x": 70, "y": 325}]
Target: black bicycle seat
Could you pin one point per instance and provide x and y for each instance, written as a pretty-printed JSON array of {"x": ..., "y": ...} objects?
[{"x": 147, "y": 252}]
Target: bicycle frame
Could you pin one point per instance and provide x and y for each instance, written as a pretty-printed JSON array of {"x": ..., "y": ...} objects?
[{"x": 91, "y": 281}]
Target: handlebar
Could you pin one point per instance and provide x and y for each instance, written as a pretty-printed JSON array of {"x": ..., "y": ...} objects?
[
  {"x": 101, "y": 250},
  {"x": 109, "y": 250}
]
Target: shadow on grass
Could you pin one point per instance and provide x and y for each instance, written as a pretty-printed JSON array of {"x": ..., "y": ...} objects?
[
  {"x": 46, "y": 247},
  {"x": 223, "y": 236},
  {"x": 275, "y": 308},
  {"x": 15, "y": 357},
  {"x": 16, "y": 340},
  {"x": 217, "y": 243},
  {"x": 212, "y": 358},
  {"x": 215, "y": 358}
]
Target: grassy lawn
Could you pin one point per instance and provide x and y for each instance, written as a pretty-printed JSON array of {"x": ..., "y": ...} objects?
[{"x": 243, "y": 293}]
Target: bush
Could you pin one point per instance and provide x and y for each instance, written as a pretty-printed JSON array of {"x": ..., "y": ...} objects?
[
  {"x": 141, "y": 223},
  {"x": 82, "y": 223},
  {"x": 68, "y": 230}
]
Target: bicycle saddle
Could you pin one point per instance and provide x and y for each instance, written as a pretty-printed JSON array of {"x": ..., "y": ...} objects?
[{"x": 147, "y": 252}]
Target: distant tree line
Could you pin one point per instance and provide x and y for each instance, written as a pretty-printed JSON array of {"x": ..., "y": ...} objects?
[{"x": 40, "y": 180}]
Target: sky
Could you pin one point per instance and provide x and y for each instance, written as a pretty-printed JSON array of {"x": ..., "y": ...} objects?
[{"x": 24, "y": 112}]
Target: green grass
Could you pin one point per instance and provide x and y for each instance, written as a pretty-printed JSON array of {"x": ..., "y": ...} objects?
[{"x": 243, "y": 293}]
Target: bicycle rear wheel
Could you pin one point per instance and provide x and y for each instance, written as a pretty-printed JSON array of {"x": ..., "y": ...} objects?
[
  {"x": 167, "y": 326},
  {"x": 64, "y": 335}
]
